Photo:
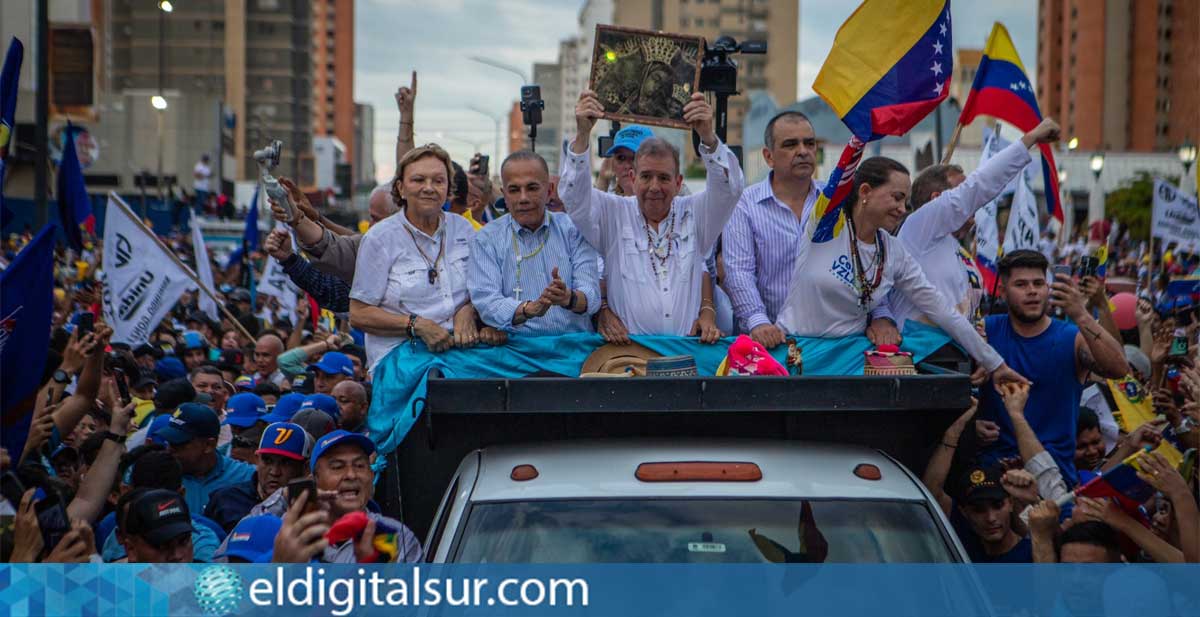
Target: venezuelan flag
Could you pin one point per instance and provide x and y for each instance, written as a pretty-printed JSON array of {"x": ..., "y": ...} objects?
[
  {"x": 1120, "y": 483},
  {"x": 890, "y": 66},
  {"x": 1002, "y": 90}
]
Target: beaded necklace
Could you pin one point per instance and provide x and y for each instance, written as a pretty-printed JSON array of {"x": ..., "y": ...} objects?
[
  {"x": 659, "y": 255},
  {"x": 521, "y": 258},
  {"x": 866, "y": 288}
]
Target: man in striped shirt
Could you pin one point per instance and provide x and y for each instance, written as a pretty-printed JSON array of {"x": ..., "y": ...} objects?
[
  {"x": 762, "y": 236},
  {"x": 531, "y": 271}
]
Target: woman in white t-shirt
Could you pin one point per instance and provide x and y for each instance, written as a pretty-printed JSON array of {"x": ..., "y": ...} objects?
[
  {"x": 835, "y": 284},
  {"x": 410, "y": 279}
]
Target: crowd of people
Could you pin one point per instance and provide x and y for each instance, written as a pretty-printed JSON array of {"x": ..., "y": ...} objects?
[{"x": 245, "y": 438}]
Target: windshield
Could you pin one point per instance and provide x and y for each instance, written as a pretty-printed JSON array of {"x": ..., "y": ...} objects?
[{"x": 701, "y": 531}]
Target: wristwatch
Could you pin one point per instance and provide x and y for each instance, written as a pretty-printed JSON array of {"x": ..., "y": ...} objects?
[
  {"x": 61, "y": 377},
  {"x": 114, "y": 437}
]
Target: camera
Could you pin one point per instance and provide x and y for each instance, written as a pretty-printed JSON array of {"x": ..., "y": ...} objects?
[
  {"x": 718, "y": 75},
  {"x": 1088, "y": 266}
]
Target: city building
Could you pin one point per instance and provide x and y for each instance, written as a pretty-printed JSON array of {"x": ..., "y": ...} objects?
[
  {"x": 255, "y": 56},
  {"x": 549, "y": 137},
  {"x": 333, "y": 110},
  {"x": 966, "y": 63},
  {"x": 364, "y": 147},
  {"x": 575, "y": 58},
  {"x": 1120, "y": 74},
  {"x": 518, "y": 133}
]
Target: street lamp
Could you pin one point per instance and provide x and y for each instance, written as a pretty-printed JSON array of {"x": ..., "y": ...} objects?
[
  {"x": 1097, "y": 164},
  {"x": 158, "y": 101},
  {"x": 1074, "y": 143},
  {"x": 495, "y": 118},
  {"x": 503, "y": 67},
  {"x": 1187, "y": 155},
  {"x": 166, "y": 6}
]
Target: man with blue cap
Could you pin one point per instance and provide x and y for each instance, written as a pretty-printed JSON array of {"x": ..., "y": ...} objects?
[
  {"x": 287, "y": 407},
  {"x": 250, "y": 541},
  {"x": 282, "y": 452},
  {"x": 621, "y": 153},
  {"x": 341, "y": 466},
  {"x": 191, "y": 436},
  {"x": 245, "y": 415},
  {"x": 334, "y": 368}
]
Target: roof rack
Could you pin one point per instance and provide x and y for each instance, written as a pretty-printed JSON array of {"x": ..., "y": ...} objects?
[{"x": 900, "y": 415}]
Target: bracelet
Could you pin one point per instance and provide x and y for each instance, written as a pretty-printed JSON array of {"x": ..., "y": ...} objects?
[
  {"x": 709, "y": 307},
  {"x": 411, "y": 330},
  {"x": 111, "y": 436},
  {"x": 523, "y": 313},
  {"x": 952, "y": 447},
  {"x": 571, "y": 303}
]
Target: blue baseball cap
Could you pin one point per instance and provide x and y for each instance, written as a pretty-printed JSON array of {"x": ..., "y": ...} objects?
[
  {"x": 334, "y": 363},
  {"x": 244, "y": 409},
  {"x": 323, "y": 402},
  {"x": 191, "y": 421},
  {"x": 193, "y": 340},
  {"x": 157, "y": 424},
  {"x": 170, "y": 368},
  {"x": 285, "y": 408},
  {"x": 340, "y": 437},
  {"x": 631, "y": 137},
  {"x": 253, "y": 539},
  {"x": 286, "y": 439}
]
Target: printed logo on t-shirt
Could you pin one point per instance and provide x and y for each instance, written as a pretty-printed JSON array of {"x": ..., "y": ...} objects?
[{"x": 842, "y": 269}]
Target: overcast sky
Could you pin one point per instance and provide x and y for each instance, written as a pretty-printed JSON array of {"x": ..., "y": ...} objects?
[{"x": 437, "y": 38}]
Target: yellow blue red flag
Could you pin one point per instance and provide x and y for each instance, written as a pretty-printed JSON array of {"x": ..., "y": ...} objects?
[
  {"x": 1002, "y": 90},
  {"x": 890, "y": 66}
]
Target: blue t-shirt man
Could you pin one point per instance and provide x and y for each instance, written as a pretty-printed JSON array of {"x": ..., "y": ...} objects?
[{"x": 1048, "y": 360}]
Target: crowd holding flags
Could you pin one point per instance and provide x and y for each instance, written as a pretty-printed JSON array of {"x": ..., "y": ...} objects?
[{"x": 881, "y": 85}]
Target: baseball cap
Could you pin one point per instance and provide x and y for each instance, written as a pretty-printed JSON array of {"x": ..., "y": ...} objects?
[
  {"x": 981, "y": 484},
  {"x": 286, "y": 439},
  {"x": 170, "y": 367},
  {"x": 193, "y": 340},
  {"x": 243, "y": 410},
  {"x": 239, "y": 295},
  {"x": 65, "y": 449},
  {"x": 144, "y": 378},
  {"x": 285, "y": 408},
  {"x": 159, "y": 516},
  {"x": 335, "y": 363},
  {"x": 315, "y": 422},
  {"x": 253, "y": 539},
  {"x": 244, "y": 383},
  {"x": 631, "y": 137},
  {"x": 324, "y": 402},
  {"x": 157, "y": 424},
  {"x": 191, "y": 421},
  {"x": 339, "y": 437},
  {"x": 173, "y": 393},
  {"x": 146, "y": 349}
]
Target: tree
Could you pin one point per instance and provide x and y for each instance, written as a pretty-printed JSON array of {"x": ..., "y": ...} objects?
[{"x": 1130, "y": 204}]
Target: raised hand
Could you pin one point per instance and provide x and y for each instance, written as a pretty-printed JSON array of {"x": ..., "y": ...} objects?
[
  {"x": 587, "y": 111},
  {"x": 299, "y": 200},
  {"x": 699, "y": 115},
  {"x": 279, "y": 244},
  {"x": 1047, "y": 131},
  {"x": 556, "y": 293},
  {"x": 406, "y": 98},
  {"x": 1021, "y": 485}
]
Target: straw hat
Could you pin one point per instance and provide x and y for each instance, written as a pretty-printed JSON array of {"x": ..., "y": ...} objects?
[{"x": 617, "y": 360}]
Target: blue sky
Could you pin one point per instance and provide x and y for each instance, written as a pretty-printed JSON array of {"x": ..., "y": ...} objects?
[{"x": 437, "y": 38}]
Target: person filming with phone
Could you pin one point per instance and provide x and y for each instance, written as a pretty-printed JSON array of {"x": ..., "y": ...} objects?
[{"x": 1058, "y": 355}]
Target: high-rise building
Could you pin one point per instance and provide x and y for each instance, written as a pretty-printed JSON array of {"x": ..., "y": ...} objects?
[
  {"x": 333, "y": 112},
  {"x": 1120, "y": 74},
  {"x": 255, "y": 55},
  {"x": 364, "y": 146},
  {"x": 966, "y": 63},
  {"x": 518, "y": 133},
  {"x": 570, "y": 84},
  {"x": 774, "y": 21},
  {"x": 549, "y": 138}
]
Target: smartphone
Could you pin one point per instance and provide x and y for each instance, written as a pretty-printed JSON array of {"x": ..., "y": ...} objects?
[
  {"x": 1088, "y": 266},
  {"x": 122, "y": 386},
  {"x": 484, "y": 159},
  {"x": 296, "y": 487},
  {"x": 12, "y": 489},
  {"x": 1179, "y": 345},
  {"x": 1060, "y": 271},
  {"x": 85, "y": 324},
  {"x": 52, "y": 520},
  {"x": 603, "y": 143}
]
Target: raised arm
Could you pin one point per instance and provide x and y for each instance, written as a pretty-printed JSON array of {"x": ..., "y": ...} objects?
[
  {"x": 406, "y": 99},
  {"x": 1096, "y": 351},
  {"x": 592, "y": 211},
  {"x": 938, "y": 467}
]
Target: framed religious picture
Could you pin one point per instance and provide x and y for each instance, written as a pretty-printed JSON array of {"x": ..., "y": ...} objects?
[{"x": 643, "y": 76}]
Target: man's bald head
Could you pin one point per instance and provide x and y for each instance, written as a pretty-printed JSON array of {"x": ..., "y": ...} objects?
[
  {"x": 266, "y": 350},
  {"x": 351, "y": 398},
  {"x": 381, "y": 205}
]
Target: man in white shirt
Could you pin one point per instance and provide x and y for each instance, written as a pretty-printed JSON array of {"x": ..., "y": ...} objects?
[
  {"x": 654, "y": 243},
  {"x": 201, "y": 175},
  {"x": 944, "y": 204}
]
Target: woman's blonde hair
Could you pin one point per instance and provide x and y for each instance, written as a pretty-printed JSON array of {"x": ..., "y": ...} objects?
[{"x": 413, "y": 156}]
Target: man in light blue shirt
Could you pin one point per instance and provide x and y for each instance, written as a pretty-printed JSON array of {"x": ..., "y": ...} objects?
[
  {"x": 192, "y": 437},
  {"x": 531, "y": 271}
]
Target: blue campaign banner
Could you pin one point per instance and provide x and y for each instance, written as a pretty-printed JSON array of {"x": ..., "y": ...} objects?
[{"x": 599, "y": 590}]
